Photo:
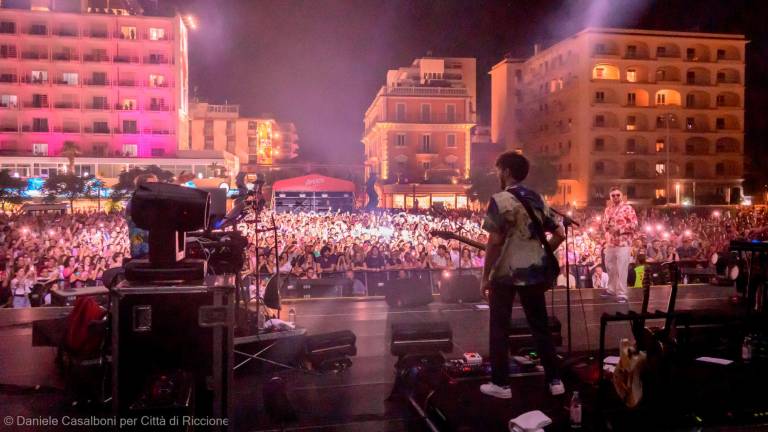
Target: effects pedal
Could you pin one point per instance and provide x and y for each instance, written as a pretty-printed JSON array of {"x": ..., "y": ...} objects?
[{"x": 473, "y": 358}]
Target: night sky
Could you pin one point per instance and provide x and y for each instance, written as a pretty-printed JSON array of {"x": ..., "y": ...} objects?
[{"x": 319, "y": 63}]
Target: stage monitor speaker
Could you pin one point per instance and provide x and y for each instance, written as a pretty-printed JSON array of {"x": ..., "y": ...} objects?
[
  {"x": 325, "y": 349},
  {"x": 460, "y": 288},
  {"x": 172, "y": 338},
  {"x": 520, "y": 334},
  {"x": 407, "y": 292},
  {"x": 421, "y": 337}
]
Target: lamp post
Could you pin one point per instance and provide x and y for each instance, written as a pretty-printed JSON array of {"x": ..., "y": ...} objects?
[{"x": 668, "y": 145}]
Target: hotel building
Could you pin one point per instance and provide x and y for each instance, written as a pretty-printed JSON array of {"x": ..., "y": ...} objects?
[
  {"x": 112, "y": 80},
  {"x": 254, "y": 141},
  {"x": 418, "y": 133},
  {"x": 659, "y": 113}
]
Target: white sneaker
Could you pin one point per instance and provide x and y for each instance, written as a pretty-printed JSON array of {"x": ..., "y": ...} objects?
[
  {"x": 492, "y": 389},
  {"x": 556, "y": 387}
]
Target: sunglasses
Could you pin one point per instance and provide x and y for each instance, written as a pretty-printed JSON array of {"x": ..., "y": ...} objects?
[{"x": 615, "y": 195}]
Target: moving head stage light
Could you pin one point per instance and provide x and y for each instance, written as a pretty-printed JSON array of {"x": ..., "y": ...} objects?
[{"x": 168, "y": 211}]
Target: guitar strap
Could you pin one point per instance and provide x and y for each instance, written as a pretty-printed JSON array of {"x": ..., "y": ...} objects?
[{"x": 537, "y": 228}]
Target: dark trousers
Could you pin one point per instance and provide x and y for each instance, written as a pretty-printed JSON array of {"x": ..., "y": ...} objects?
[{"x": 501, "y": 299}]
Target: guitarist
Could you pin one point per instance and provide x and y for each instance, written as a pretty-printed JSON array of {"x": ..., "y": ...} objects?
[{"x": 517, "y": 262}]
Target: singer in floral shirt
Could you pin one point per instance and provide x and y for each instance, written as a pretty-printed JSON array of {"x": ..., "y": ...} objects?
[{"x": 619, "y": 224}]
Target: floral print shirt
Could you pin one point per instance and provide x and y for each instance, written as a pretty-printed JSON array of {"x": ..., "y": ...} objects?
[{"x": 619, "y": 223}]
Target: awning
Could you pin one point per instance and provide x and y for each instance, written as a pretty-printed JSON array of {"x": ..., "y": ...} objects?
[{"x": 313, "y": 183}]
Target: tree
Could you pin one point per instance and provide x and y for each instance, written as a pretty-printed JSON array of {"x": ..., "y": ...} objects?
[
  {"x": 68, "y": 186},
  {"x": 70, "y": 150},
  {"x": 126, "y": 182},
  {"x": 94, "y": 186},
  {"x": 542, "y": 177},
  {"x": 483, "y": 185},
  {"x": 10, "y": 188}
]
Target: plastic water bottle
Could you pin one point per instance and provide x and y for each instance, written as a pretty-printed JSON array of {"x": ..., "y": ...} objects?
[
  {"x": 685, "y": 280},
  {"x": 575, "y": 411},
  {"x": 292, "y": 316},
  {"x": 746, "y": 349}
]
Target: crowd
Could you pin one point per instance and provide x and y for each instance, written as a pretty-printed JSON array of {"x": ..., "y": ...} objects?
[{"x": 74, "y": 249}]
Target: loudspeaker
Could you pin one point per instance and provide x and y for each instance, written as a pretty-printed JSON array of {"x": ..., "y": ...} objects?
[
  {"x": 421, "y": 337},
  {"x": 407, "y": 292},
  {"x": 167, "y": 336},
  {"x": 330, "y": 349},
  {"x": 459, "y": 288}
]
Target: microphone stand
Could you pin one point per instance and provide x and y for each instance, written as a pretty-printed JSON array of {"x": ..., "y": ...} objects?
[{"x": 567, "y": 222}]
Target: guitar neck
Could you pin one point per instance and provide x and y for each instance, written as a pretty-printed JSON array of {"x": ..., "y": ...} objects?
[{"x": 463, "y": 239}]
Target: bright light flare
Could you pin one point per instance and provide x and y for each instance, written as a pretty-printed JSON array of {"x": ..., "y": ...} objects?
[
  {"x": 648, "y": 228},
  {"x": 665, "y": 235},
  {"x": 716, "y": 213},
  {"x": 658, "y": 227},
  {"x": 25, "y": 230},
  {"x": 687, "y": 233}
]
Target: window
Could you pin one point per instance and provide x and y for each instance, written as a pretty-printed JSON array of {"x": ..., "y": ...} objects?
[
  {"x": 401, "y": 166},
  {"x": 99, "y": 78},
  {"x": 661, "y": 75},
  {"x": 631, "y": 123},
  {"x": 599, "y": 120},
  {"x": 599, "y": 72},
  {"x": 130, "y": 126},
  {"x": 425, "y": 143},
  {"x": 599, "y": 97},
  {"x": 130, "y": 150},
  {"x": 9, "y": 101},
  {"x": 599, "y": 144},
  {"x": 39, "y": 77},
  {"x": 599, "y": 48},
  {"x": 129, "y": 104},
  {"x": 720, "y": 54},
  {"x": 38, "y": 29},
  {"x": 690, "y": 100},
  {"x": 100, "y": 127},
  {"x": 720, "y": 168},
  {"x": 631, "y": 99},
  {"x": 570, "y": 168},
  {"x": 660, "y": 168},
  {"x": 660, "y": 193},
  {"x": 40, "y": 149},
  {"x": 690, "y": 77},
  {"x": 7, "y": 27},
  {"x": 661, "y": 51},
  {"x": 450, "y": 113},
  {"x": 426, "y": 112},
  {"x": 208, "y": 127},
  {"x": 599, "y": 167},
  {"x": 721, "y": 77},
  {"x": 400, "y": 140},
  {"x": 100, "y": 102},
  {"x": 69, "y": 78},
  {"x": 720, "y": 123},
  {"x": 230, "y": 127},
  {"x": 128, "y": 32},
  {"x": 426, "y": 165},
  {"x": 156, "y": 80},
  {"x": 208, "y": 144},
  {"x": 720, "y": 100},
  {"x": 661, "y": 98},
  {"x": 99, "y": 149},
  {"x": 157, "y": 152},
  {"x": 690, "y": 123},
  {"x": 659, "y": 146},
  {"x": 400, "y": 112},
  {"x": 690, "y": 53},
  {"x": 450, "y": 140},
  {"x": 631, "y": 191},
  {"x": 631, "y": 51},
  {"x": 156, "y": 33},
  {"x": 8, "y": 51},
  {"x": 632, "y": 75},
  {"x": 631, "y": 146},
  {"x": 39, "y": 125}
]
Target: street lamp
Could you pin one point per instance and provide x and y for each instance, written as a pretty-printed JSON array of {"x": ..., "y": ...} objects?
[
  {"x": 677, "y": 193},
  {"x": 668, "y": 145}
]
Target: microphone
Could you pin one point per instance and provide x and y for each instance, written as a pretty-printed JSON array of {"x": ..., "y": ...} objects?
[{"x": 567, "y": 220}]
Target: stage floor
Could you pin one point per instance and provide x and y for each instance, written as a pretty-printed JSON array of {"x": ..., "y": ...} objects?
[{"x": 355, "y": 399}]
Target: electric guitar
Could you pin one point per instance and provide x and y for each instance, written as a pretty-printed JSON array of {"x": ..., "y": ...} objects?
[{"x": 447, "y": 235}]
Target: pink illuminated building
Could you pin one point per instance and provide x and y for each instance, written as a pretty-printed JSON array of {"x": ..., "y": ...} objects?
[{"x": 112, "y": 80}]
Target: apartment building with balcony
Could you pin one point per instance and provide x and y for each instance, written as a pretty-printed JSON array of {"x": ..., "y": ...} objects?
[
  {"x": 659, "y": 113},
  {"x": 254, "y": 141},
  {"x": 418, "y": 133},
  {"x": 111, "y": 80}
]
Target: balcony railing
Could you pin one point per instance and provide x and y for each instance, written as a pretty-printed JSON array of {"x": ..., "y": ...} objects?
[
  {"x": 156, "y": 60},
  {"x": 6, "y": 30},
  {"x": 432, "y": 118},
  {"x": 9, "y": 105},
  {"x": 65, "y": 32},
  {"x": 35, "y": 105},
  {"x": 126, "y": 59},
  {"x": 158, "y": 108},
  {"x": 129, "y": 131},
  {"x": 154, "y": 84},
  {"x": 62, "y": 81},
  {"x": 97, "y": 107},
  {"x": 67, "y": 129},
  {"x": 95, "y": 58},
  {"x": 34, "y": 55},
  {"x": 129, "y": 36},
  {"x": 37, "y": 31},
  {"x": 166, "y": 37},
  {"x": 92, "y": 130},
  {"x": 158, "y": 131},
  {"x": 9, "y": 128},
  {"x": 9, "y": 78},
  {"x": 29, "y": 79},
  {"x": 31, "y": 128},
  {"x": 127, "y": 83},
  {"x": 424, "y": 91},
  {"x": 67, "y": 105},
  {"x": 65, "y": 57},
  {"x": 95, "y": 82},
  {"x": 126, "y": 107},
  {"x": 100, "y": 34},
  {"x": 12, "y": 54}
]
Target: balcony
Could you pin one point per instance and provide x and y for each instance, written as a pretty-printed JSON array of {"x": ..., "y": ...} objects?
[
  {"x": 150, "y": 131},
  {"x": 9, "y": 54},
  {"x": 166, "y": 37},
  {"x": 128, "y": 37},
  {"x": 128, "y": 131},
  {"x": 127, "y": 83},
  {"x": 99, "y": 130},
  {"x": 9, "y": 105},
  {"x": 433, "y": 118},
  {"x": 9, "y": 78},
  {"x": 37, "y": 30},
  {"x": 29, "y": 79},
  {"x": 31, "y": 128},
  {"x": 153, "y": 59},
  {"x": 95, "y": 58},
  {"x": 62, "y": 81},
  {"x": 34, "y": 55},
  {"x": 95, "y": 82},
  {"x": 424, "y": 91},
  {"x": 9, "y": 128},
  {"x": 126, "y": 59},
  {"x": 35, "y": 104},
  {"x": 66, "y": 32},
  {"x": 65, "y": 57},
  {"x": 99, "y": 34},
  {"x": 126, "y": 107},
  {"x": 155, "y": 84},
  {"x": 67, "y": 129},
  {"x": 67, "y": 105},
  {"x": 7, "y": 30},
  {"x": 97, "y": 107},
  {"x": 158, "y": 108}
]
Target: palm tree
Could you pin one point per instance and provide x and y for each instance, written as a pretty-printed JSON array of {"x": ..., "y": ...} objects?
[{"x": 70, "y": 150}]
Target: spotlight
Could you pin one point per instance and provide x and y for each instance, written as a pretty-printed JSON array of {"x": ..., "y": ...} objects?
[
  {"x": 50, "y": 232},
  {"x": 648, "y": 228},
  {"x": 24, "y": 230},
  {"x": 716, "y": 213},
  {"x": 658, "y": 227}
]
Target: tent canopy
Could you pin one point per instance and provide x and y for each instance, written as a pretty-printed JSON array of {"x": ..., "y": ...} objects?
[{"x": 313, "y": 183}]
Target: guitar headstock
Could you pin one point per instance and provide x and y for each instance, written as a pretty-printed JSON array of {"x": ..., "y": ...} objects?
[{"x": 445, "y": 235}]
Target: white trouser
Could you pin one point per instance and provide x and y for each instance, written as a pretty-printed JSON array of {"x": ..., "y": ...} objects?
[{"x": 617, "y": 264}]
